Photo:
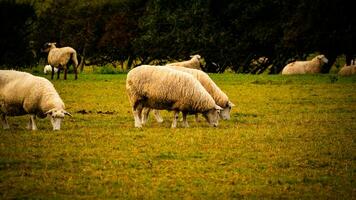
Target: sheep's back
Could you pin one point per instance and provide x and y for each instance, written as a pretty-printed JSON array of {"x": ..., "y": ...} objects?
[
  {"x": 60, "y": 56},
  {"x": 216, "y": 93},
  {"x": 167, "y": 86}
]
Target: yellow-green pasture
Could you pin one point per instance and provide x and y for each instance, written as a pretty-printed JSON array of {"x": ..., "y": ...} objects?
[{"x": 289, "y": 137}]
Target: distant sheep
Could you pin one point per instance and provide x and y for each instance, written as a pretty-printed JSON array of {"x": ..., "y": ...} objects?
[
  {"x": 305, "y": 67},
  {"x": 193, "y": 63},
  {"x": 162, "y": 88},
  {"x": 59, "y": 58},
  {"x": 216, "y": 93},
  {"x": 48, "y": 68},
  {"x": 22, "y": 93},
  {"x": 260, "y": 61},
  {"x": 348, "y": 70}
]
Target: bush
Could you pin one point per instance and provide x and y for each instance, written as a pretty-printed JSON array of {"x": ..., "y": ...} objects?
[{"x": 106, "y": 69}]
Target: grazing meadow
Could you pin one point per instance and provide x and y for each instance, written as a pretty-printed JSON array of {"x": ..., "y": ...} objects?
[{"x": 288, "y": 137}]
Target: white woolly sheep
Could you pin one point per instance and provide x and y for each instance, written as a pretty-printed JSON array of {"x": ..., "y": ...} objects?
[
  {"x": 305, "y": 67},
  {"x": 22, "y": 93},
  {"x": 193, "y": 63},
  {"x": 162, "y": 88},
  {"x": 348, "y": 70},
  {"x": 220, "y": 98},
  {"x": 48, "y": 68},
  {"x": 59, "y": 58}
]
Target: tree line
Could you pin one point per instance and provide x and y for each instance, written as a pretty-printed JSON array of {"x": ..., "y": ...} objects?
[{"x": 226, "y": 33}]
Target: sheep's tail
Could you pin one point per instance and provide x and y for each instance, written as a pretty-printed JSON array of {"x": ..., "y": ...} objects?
[
  {"x": 75, "y": 64},
  {"x": 74, "y": 59}
]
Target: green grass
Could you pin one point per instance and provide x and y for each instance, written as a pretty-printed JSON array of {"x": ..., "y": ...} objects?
[{"x": 289, "y": 137}]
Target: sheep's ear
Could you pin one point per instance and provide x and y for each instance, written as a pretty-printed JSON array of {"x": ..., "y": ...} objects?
[
  {"x": 49, "y": 112},
  {"x": 218, "y": 107},
  {"x": 67, "y": 113},
  {"x": 231, "y": 104}
]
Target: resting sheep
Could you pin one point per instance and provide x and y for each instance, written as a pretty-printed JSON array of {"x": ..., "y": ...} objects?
[
  {"x": 48, "y": 68},
  {"x": 220, "y": 98},
  {"x": 193, "y": 63},
  {"x": 305, "y": 67},
  {"x": 22, "y": 93},
  {"x": 348, "y": 70},
  {"x": 59, "y": 58},
  {"x": 162, "y": 88}
]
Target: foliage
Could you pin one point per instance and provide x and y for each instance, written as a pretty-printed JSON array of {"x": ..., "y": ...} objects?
[
  {"x": 227, "y": 33},
  {"x": 289, "y": 137},
  {"x": 16, "y": 25}
]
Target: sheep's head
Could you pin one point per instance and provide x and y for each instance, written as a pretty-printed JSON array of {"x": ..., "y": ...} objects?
[
  {"x": 212, "y": 115},
  {"x": 322, "y": 59},
  {"x": 48, "y": 46},
  {"x": 56, "y": 116},
  {"x": 197, "y": 56},
  {"x": 225, "y": 112}
]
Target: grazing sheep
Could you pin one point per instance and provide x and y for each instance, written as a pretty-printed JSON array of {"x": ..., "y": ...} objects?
[
  {"x": 48, "y": 68},
  {"x": 193, "y": 63},
  {"x": 59, "y": 58},
  {"x": 216, "y": 93},
  {"x": 348, "y": 70},
  {"x": 163, "y": 88},
  {"x": 22, "y": 93},
  {"x": 305, "y": 67}
]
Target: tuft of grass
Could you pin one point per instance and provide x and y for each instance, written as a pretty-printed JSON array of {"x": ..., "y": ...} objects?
[
  {"x": 107, "y": 69},
  {"x": 289, "y": 137}
]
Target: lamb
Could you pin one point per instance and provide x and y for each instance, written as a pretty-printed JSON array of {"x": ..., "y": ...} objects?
[
  {"x": 219, "y": 96},
  {"x": 162, "y": 88},
  {"x": 348, "y": 70},
  {"x": 59, "y": 58},
  {"x": 48, "y": 68},
  {"x": 193, "y": 63},
  {"x": 22, "y": 93},
  {"x": 305, "y": 67}
]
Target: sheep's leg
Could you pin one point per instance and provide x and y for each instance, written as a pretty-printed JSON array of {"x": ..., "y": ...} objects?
[
  {"x": 52, "y": 73},
  {"x": 65, "y": 73},
  {"x": 196, "y": 117},
  {"x": 32, "y": 124},
  {"x": 58, "y": 72},
  {"x": 145, "y": 113},
  {"x": 185, "y": 122},
  {"x": 4, "y": 122},
  {"x": 137, "y": 111},
  {"x": 175, "y": 119},
  {"x": 75, "y": 72},
  {"x": 158, "y": 117}
]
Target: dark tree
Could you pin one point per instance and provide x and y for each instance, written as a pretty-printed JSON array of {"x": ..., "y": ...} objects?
[{"x": 16, "y": 22}]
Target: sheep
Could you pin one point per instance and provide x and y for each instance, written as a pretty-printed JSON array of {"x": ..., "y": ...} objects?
[
  {"x": 48, "y": 68},
  {"x": 59, "y": 58},
  {"x": 163, "y": 88},
  {"x": 305, "y": 67},
  {"x": 193, "y": 63},
  {"x": 22, "y": 93},
  {"x": 219, "y": 96},
  {"x": 348, "y": 70}
]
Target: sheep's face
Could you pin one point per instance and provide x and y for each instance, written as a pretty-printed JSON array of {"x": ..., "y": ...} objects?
[
  {"x": 56, "y": 117},
  {"x": 197, "y": 56},
  {"x": 322, "y": 58},
  {"x": 225, "y": 112},
  {"x": 48, "y": 46},
  {"x": 212, "y": 116}
]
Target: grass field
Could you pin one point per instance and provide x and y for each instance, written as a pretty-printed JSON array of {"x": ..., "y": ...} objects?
[{"x": 289, "y": 137}]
